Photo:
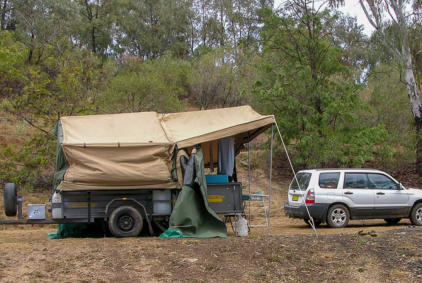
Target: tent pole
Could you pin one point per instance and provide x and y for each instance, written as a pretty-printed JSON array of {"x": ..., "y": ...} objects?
[
  {"x": 249, "y": 177},
  {"x": 271, "y": 175},
  {"x": 311, "y": 219}
]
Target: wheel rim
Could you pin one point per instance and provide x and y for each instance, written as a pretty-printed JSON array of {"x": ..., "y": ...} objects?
[
  {"x": 339, "y": 216},
  {"x": 126, "y": 222},
  {"x": 419, "y": 215}
]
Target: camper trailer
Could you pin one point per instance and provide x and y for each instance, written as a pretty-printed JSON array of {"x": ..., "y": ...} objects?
[{"x": 128, "y": 169}]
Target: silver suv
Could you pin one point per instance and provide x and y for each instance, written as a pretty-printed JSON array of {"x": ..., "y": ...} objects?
[{"x": 337, "y": 195}]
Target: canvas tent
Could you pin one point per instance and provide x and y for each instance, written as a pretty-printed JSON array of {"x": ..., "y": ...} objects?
[{"x": 135, "y": 150}]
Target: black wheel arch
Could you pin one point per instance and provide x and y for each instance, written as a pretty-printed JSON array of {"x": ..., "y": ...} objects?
[
  {"x": 115, "y": 203},
  {"x": 414, "y": 204},
  {"x": 335, "y": 203}
]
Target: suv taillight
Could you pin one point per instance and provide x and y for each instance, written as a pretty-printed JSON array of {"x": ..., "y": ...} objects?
[{"x": 310, "y": 196}]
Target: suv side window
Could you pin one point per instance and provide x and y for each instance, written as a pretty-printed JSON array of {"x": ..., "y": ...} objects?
[
  {"x": 380, "y": 181},
  {"x": 355, "y": 181},
  {"x": 329, "y": 180}
]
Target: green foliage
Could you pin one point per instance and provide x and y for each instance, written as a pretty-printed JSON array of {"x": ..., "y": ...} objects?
[
  {"x": 42, "y": 24},
  {"x": 68, "y": 83},
  {"x": 309, "y": 88},
  {"x": 148, "y": 86},
  {"x": 218, "y": 82},
  {"x": 153, "y": 27},
  {"x": 12, "y": 57},
  {"x": 305, "y": 65},
  {"x": 65, "y": 85},
  {"x": 26, "y": 163},
  {"x": 389, "y": 104}
]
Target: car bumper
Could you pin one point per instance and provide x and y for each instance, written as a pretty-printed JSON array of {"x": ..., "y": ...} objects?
[{"x": 317, "y": 210}]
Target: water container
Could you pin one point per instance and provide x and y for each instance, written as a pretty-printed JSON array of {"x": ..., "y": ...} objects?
[
  {"x": 57, "y": 206},
  {"x": 241, "y": 227},
  {"x": 161, "y": 202}
]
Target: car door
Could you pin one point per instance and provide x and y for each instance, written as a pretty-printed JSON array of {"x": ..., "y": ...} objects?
[
  {"x": 357, "y": 194},
  {"x": 390, "y": 199},
  {"x": 328, "y": 191}
]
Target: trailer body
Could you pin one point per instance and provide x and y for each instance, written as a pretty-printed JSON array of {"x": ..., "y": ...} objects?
[{"x": 85, "y": 205}]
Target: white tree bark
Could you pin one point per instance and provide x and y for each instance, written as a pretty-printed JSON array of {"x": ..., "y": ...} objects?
[
  {"x": 395, "y": 10},
  {"x": 412, "y": 88}
]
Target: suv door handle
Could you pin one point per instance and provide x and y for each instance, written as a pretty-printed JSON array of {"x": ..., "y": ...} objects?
[
  {"x": 380, "y": 193},
  {"x": 348, "y": 193}
]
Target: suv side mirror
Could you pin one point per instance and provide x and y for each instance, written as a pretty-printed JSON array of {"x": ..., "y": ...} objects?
[{"x": 400, "y": 187}]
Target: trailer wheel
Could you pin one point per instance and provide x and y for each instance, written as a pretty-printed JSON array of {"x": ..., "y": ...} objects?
[
  {"x": 10, "y": 199},
  {"x": 125, "y": 221}
]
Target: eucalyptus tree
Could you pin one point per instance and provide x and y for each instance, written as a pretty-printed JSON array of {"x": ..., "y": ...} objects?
[
  {"x": 393, "y": 21},
  {"x": 6, "y": 15},
  {"x": 309, "y": 82},
  {"x": 149, "y": 28},
  {"x": 93, "y": 26},
  {"x": 42, "y": 23}
]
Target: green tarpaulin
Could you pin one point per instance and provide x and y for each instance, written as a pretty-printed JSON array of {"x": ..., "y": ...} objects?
[
  {"x": 191, "y": 216},
  {"x": 77, "y": 230},
  {"x": 61, "y": 164}
]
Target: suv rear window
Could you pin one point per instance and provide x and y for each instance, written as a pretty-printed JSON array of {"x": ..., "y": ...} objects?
[
  {"x": 303, "y": 179},
  {"x": 329, "y": 180}
]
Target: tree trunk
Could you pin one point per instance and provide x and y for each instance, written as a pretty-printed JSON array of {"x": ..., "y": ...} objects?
[
  {"x": 418, "y": 123},
  {"x": 3, "y": 15},
  {"x": 416, "y": 107},
  {"x": 94, "y": 45},
  {"x": 31, "y": 49}
]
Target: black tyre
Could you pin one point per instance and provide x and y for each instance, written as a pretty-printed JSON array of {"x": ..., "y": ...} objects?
[
  {"x": 392, "y": 221},
  {"x": 338, "y": 216},
  {"x": 125, "y": 221},
  {"x": 416, "y": 214},
  {"x": 10, "y": 199},
  {"x": 316, "y": 222}
]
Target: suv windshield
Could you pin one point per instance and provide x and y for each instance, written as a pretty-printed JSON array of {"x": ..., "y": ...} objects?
[{"x": 303, "y": 179}]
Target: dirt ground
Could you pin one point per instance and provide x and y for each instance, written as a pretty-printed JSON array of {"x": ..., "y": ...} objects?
[
  {"x": 289, "y": 252},
  {"x": 392, "y": 256}
]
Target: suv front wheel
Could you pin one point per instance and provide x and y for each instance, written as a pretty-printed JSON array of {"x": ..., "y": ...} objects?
[
  {"x": 416, "y": 215},
  {"x": 338, "y": 216}
]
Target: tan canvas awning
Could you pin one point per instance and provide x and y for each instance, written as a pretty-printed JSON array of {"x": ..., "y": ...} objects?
[
  {"x": 134, "y": 150},
  {"x": 195, "y": 127}
]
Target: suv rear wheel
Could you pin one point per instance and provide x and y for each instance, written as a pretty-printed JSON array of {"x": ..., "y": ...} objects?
[
  {"x": 416, "y": 215},
  {"x": 338, "y": 216}
]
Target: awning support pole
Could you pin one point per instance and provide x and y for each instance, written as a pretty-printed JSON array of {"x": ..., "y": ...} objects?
[
  {"x": 311, "y": 219},
  {"x": 249, "y": 175},
  {"x": 271, "y": 175}
]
